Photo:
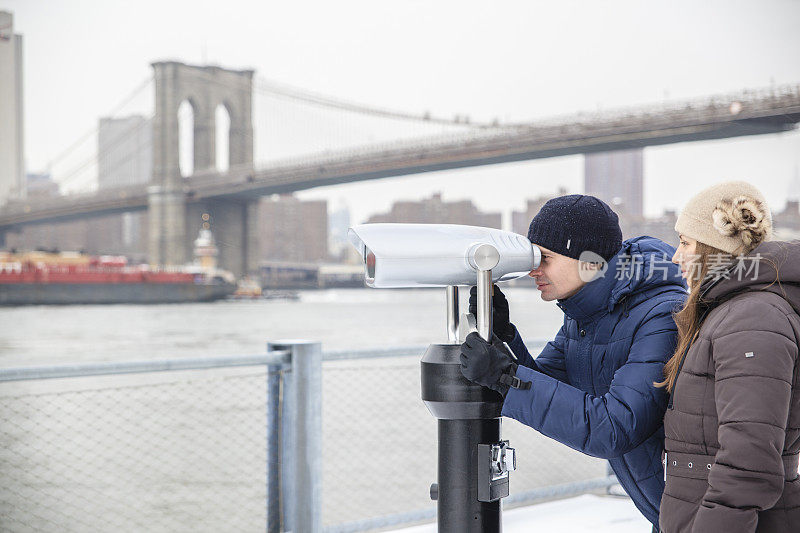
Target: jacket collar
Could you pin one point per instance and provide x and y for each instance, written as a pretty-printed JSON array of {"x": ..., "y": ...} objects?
[
  {"x": 628, "y": 273},
  {"x": 593, "y": 299}
]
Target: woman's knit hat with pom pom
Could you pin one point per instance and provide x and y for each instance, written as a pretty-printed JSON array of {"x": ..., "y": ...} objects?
[{"x": 732, "y": 216}]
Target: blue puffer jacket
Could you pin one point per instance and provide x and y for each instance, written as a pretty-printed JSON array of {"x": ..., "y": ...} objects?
[{"x": 592, "y": 387}]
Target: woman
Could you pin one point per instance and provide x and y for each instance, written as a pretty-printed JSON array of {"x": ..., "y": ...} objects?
[{"x": 731, "y": 428}]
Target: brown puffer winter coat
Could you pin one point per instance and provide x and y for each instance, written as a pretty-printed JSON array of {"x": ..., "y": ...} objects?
[{"x": 733, "y": 426}]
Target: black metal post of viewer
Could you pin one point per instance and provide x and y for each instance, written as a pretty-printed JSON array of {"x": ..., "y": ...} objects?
[{"x": 473, "y": 463}]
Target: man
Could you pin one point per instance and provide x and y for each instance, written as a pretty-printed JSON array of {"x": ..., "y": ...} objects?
[{"x": 591, "y": 388}]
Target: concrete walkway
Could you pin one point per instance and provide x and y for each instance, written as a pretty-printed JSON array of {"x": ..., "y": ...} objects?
[{"x": 583, "y": 514}]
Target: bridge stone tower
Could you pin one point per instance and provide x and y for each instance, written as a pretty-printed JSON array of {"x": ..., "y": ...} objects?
[{"x": 204, "y": 87}]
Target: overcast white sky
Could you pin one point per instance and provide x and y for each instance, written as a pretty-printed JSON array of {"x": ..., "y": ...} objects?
[{"x": 515, "y": 60}]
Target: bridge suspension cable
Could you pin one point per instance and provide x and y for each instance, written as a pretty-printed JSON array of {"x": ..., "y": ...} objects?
[
  {"x": 90, "y": 133},
  {"x": 94, "y": 159},
  {"x": 273, "y": 88}
]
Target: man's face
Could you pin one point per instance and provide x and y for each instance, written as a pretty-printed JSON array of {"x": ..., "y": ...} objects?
[{"x": 557, "y": 277}]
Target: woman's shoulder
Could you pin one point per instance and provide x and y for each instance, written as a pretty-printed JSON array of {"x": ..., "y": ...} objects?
[{"x": 752, "y": 311}]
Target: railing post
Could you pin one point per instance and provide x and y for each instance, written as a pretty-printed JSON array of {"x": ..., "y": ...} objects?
[
  {"x": 274, "y": 496},
  {"x": 299, "y": 440}
]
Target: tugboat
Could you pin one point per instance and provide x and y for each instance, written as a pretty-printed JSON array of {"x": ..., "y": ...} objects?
[
  {"x": 41, "y": 278},
  {"x": 247, "y": 289}
]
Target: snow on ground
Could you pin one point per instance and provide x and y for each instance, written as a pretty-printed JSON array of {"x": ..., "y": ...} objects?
[{"x": 583, "y": 514}]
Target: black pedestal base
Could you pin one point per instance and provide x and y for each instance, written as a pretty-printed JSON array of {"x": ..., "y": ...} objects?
[{"x": 468, "y": 415}]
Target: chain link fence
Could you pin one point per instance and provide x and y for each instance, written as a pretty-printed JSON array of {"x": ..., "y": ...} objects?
[
  {"x": 380, "y": 447},
  {"x": 187, "y": 450},
  {"x": 159, "y": 453}
]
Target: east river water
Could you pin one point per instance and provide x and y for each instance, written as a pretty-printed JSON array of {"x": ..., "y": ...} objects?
[{"x": 347, "y": 318}]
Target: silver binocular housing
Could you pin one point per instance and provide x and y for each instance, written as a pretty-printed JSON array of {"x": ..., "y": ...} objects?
[
  {"x": 445, "y": 255},
  {"x": 440, "y": 255}
]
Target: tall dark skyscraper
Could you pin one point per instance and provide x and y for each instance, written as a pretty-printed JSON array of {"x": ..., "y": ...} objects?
[{"x": 617, "y": 179}]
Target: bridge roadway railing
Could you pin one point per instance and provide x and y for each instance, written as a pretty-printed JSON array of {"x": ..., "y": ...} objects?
[
  {"x": 292, "y": 439},
  {"x": 732, "y": 107},
  {"x": 752, "y": 102}
]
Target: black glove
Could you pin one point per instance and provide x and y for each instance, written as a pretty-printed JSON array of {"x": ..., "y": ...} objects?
[
  {"x": 489, "y": 365},
  {"x": 501, "y": 326}
]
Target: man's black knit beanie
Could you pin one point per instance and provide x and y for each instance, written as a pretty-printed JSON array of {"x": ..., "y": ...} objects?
[{"x": 570, "y": 225}]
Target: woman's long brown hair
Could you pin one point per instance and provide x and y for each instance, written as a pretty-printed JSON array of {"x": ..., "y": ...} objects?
[{"x": 687, "y": 319}]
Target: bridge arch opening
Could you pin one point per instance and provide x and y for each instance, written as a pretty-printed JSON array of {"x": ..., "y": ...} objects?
[
  {"x": 186, "y": 138},
  {"x": 222, "y": 121}
]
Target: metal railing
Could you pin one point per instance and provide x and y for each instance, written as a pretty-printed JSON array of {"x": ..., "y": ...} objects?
[{"x": 241, "y": 443}]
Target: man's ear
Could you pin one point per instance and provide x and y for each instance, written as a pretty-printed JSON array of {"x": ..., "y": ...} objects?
[{"x": 590, "y": 270}]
